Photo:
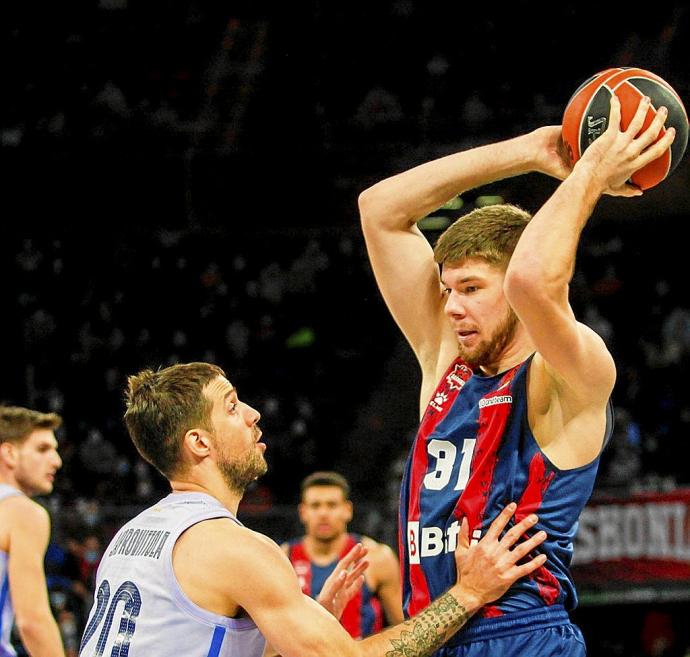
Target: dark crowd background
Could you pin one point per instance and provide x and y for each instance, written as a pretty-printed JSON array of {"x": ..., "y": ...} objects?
[{"x": 180, "y": 183}]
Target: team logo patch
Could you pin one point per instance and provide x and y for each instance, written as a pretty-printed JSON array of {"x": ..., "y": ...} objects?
[{"x": 457, "y": 378}]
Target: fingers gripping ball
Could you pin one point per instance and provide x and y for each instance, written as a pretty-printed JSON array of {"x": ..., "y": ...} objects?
[{"x": 587, "y": 115}]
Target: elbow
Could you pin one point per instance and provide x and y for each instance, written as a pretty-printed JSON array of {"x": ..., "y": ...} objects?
[
  {"x": 525, "y": 284},
  {"x": 31, "y": 624},
  {"x": 519, "y": 281},
  {"x": 29, "y": 627},
  {"x": 378, "y": 210},
  {"x": 367, "y": 203}
]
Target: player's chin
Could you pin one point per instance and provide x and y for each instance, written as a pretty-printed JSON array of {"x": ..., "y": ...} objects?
[{"x": 44, "y": 488}]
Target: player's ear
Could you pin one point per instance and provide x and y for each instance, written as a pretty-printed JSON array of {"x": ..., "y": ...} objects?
[
  {"x": 349, "y": 510},
  {"x": 197, "y": 443},
  {"x": 8, "y": 454}
]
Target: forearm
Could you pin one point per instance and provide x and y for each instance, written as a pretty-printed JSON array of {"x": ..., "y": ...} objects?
[
  {"x": 41, "y": 636},
  {"x": 545, "y": 253},
  {"x": 403, "y": 199},
  {"x": 426, "y": 632}
]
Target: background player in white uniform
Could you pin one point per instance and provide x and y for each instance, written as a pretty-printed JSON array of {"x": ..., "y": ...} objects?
[
  {"x": 28, "y": 463},
  {"x": 185, "y": 577}
]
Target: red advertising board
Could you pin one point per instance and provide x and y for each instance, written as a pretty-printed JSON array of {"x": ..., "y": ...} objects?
[{"x": 634, "y": 549}]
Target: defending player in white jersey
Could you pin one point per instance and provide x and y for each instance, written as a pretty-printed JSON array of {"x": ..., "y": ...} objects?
[
  {"x": 186, "y": 578},
  {"x": 28, "y": 463}
]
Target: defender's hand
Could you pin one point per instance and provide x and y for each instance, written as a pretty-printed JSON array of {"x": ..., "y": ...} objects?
[
  {"x": 345, "y": 581},
  {"x": 488, "y": 568}
]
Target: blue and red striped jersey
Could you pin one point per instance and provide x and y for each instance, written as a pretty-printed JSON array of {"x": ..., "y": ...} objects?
[
  {"x": 363, "y": 615},
  {"x": 475, "y": 453}
]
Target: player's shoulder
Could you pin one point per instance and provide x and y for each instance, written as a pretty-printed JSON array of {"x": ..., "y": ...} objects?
[
  {"x": 22, "y": 509},
  {"x": 21, "y": 516},
  {"x": 377, "y": 550},
  {"x": 222, "y": 540}
]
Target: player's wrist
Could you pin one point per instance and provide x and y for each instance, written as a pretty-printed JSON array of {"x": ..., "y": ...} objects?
[
  {"x": 527, "y": 151},
  {"x": 587, "y": 176},
  {"x": 469, "y": 599}
]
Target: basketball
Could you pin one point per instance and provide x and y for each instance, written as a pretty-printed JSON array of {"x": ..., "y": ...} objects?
[{"x": 586, "y": 116}]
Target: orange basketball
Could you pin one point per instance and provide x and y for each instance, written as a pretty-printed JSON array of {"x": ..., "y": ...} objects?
[{"x": 587, "y": 116}]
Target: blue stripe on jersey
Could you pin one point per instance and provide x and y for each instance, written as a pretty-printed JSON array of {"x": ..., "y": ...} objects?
[
  {"x": 367, "y": 613},
  {"x": 319, "y": 575},
  {"x": 3, "y": 599},
  {"x": 216, "y": 641}
]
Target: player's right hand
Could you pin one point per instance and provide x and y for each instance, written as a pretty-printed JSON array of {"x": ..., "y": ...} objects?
[
  {"x": 618, "y": 153},
  {"x": 488, "y": 568}
]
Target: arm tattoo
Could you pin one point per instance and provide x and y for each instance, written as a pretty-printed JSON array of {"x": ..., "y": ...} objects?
[{"x": 429, "y": 629}]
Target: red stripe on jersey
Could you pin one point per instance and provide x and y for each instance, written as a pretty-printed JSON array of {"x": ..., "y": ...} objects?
[
  {"x": 351, "y": 619},
  {"x": 378, "y": 614},
  {"x": 491, "y": 611},
  {"x": 439, "y": 405},
  {"x": 492, "y": 423},
  {"x": 537, "y": 484}
]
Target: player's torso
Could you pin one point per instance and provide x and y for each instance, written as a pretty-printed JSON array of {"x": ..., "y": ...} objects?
[
  {"x": 474, "y": 454},
  {"x": 363, "y": 615},
  {"x": 140, "y": 608}
]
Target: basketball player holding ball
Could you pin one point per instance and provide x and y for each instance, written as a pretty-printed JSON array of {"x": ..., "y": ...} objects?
[{"x": 515, "y": 391}]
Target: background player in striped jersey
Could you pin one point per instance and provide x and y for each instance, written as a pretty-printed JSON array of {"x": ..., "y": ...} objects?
[
  {"x": 185, "y": 577},
  {"x": 515, "y": 391},
  {"x": 325, "y": 511},
  {"x": 28, "y": 462}
]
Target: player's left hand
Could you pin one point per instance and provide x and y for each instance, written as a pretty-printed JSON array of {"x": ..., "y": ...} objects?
[
  {"x": 550, "y": 152},
  {"x": 345, "y": 581}
]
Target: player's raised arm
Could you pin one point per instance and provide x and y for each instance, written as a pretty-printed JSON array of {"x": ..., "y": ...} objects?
[
  {"x": 540, "y": 269},
  {"x": 401, "y": 257}
]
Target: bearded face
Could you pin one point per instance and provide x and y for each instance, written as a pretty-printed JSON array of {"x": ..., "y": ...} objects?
[
  {"x": 488, "y": 351},
  {"x": 241, "y": 470}
]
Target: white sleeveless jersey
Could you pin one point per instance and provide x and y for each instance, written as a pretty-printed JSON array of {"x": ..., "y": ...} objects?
[
  {"x": 140, "y": 609},
  {"x": 6, "y": 611}
]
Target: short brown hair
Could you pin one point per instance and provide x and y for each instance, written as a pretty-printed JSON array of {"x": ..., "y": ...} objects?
[
  {"x": 163, "y": 405},
  {"x": 325, "y": 478},
  {"x": 17, "y": 423},
  {"x": 490, "y": 233}
]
